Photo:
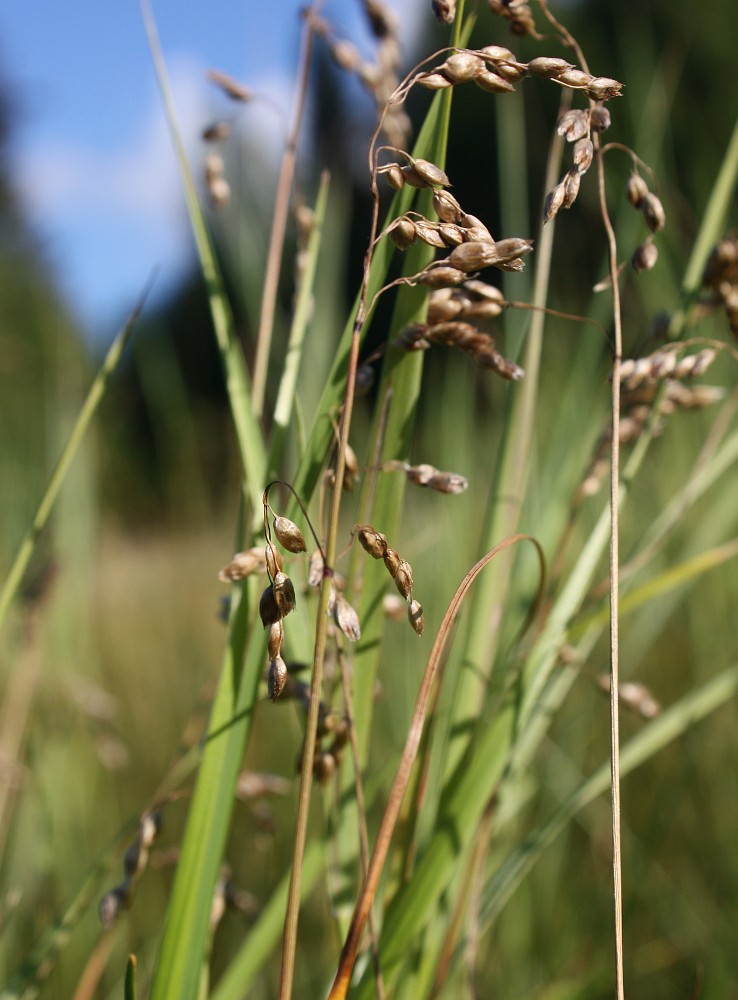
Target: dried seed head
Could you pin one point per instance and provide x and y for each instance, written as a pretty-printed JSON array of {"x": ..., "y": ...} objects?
[
  {"x": 276, "y": 677},
  {"x": 391, "y": 561},
  {"x": 645, "y": 256},
  {"x": 637, "y": 190},
  {"x": 275, "y": 638},
  {"x": 273, "y": 558},
  {"x": 403, "y": 577},
  {"x": 475, "y": 230},
  {"x": 430, "y": 173},
  {"x": 653, "y": 212},
  {"x": 451, "y": 234},
  {"x": 572, "y": 180},
  {"x": 429, "y": 234},
  {"x": 433, "y": 81},
  {"x": 548, "y": 67},
  {"x": 602, "y": 88},
  {"x": 232, "y": 88},
  {"x": 441, "y": 277},
  {"x": 693, "y": 365},
  {"x": 573, "y": 125},
  {"x": 462, "y": 67},
  {"x": 394, "y": 607},
  {"x": 402, "y": 232},
  {"x": 219, "y": 190},
  {"x": 372, "y": 541},
  {"x": 393, "y": 173},
  {"x": 492, "y": 83},
  {"x": 289, "y": 535},
  {"x": 346, "y": 55},
  {"x": 268, "y": 607},
  {"x": 599, "y": 118},
  {"x": 574, "y": 77},
  {"x": 217, "y": 131},
  {"x": 415, "y": 616},
  {"x": 284, "y": 594},
  {"x": 112, "y": 903},
  {"x": 432, "y": 478},
  {"x": 582, "y": 155},
  {"x": 364, "y": 379},
  {"x": 447, "y": 207},
  {"x": 324, "y": 766},
  {"x": 445, "y": 10},
  {"x": 346, "y": 619},
  {"x": 413, "y": 178},
  {"x": 243, "y": 564}
]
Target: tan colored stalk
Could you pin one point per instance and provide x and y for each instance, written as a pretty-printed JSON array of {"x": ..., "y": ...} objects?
[{"x": 279, "y": 222}]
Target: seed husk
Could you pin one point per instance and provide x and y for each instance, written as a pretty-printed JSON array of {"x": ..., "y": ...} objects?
[
  {"x": 653, "y": 212},
  {"x": 372, "y": 541},
  {"x": 461, "y": 67},
  {"x": 430, "y": 173},
  {"x": 284, "y": 594},
  {"x": 447, "y": 207},
  {"x": 548, "y": 67},
  {"x": 637, "y": 190},
  {"x": 644, "y": 257},
  {"x": 268, "y": 607},
  {"x": 347, "y": 619},
  {"x": 275, "y": 639},
  {"x": 493, "y": 83},
  {"x": 243, "y": 564},
  {"x": 403, "y": 577},
  {"x": 289, "y": 535},
  {"x": 276, "y": 677},
  {"x": 415, "y": 616}
]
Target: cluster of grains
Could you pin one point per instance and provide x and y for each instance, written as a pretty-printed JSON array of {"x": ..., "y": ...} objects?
[
  {"x": 332, "y": 732},
  {"x": 278, "y": 599},
  {"x": 429, "y": 476},
  {"x": 134, "y": 862},
  {"x": 375, "y": 543},
  {"x": 576, "y": 126},
  {"x": 304, "y": 224},
  {"x": 721, "y": 278},
  {"x": 381, "y": 77},
  {"x": 652, "y": 389},
  {"x": 518, "y": 13},
  {"x": 495, "y": 69},
  {"x": 473, "y": 299},
  {"x": 420, "y": 336},
  {"x": 217, "y": 133},
  {"x": 650, "y": 207}
]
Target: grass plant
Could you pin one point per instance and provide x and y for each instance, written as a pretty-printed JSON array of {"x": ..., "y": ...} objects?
[{"x": 432, "y": 565}]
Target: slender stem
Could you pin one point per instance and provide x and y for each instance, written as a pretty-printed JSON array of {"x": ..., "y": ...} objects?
[
  {"x": 279, "y": 223},
  {"x": 614, "y": 581}
]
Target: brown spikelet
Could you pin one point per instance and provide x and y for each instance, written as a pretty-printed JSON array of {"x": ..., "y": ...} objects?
[
  {"x": 415, "y": 616},
  {"x": 276, "y": 677},
  {"x": 445, "y": 10},
  {"x": 371, "y": 540},
  {"x": 284, "y": 594},
  {"x": 289, "y": 535},
  {"x": 346, "y": 618}
]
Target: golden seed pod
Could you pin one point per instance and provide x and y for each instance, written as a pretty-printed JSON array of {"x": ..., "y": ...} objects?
[
  {"x": 393, "y": 173},
  {"x": 554, "y": 202},
  {"x": 289, "y": 535},
  {"x": 497, "y": 53},
  {"x": 403, "y": 233},
  {"x": 391, "y": 561},
  {"x": 472, "y": 256},
  {"x": 275, "y": 638},
  {"x": 575, "y": 78},
  {"x": 443, "y": 309},
  {"x": 582, "y": 155},
  {"x": 484, "y": 292},
  {"x": 461, "y": 67},
  {"x": 413, "y": 178},
  {"x": 511, "y": 71},
  {"x": 451, "y": 234},
  {"x": 572, "y": 180},
  {"x": 573, "y": 125},
  {"x": 276, "y": 677},
  {"x": 371, "y": 540},
  {"x": 430, "y": 173},
  {"x": 415, "y": 616},
  {"x": 599, "y": 118},
  {"x": 492, "y": 83},
  {"x": 653, "y": 212},
  {"x": 347, "y": 619},
  {"x": 403, "y": 577},
  {"x": 644, "y": 257},
  {"x": 273, "y": 560},
  {"x": 243, "y": 564},
  {"x": 548, "y": 67},
  {"x": 446, "y": 207},
  {"x": 429, "y": 234},
  {"x": 433, "y": 81},
  {"x": 268, "y": 607},
  {"x": 284, "y": 594},
  {"x": 441, "y": 277},
  {"x": 636, "y": 190},
  {"x": 602, "y": 88}
]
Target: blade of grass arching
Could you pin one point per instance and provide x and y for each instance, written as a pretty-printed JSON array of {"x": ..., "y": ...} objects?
[
  {"x": 669, "y": 726},
  {"x": 94, "y": 396},
  {"x": 248, "y": 432},
  {"x": 300, "y": 321},
  {"x": 265, "y": 934}
]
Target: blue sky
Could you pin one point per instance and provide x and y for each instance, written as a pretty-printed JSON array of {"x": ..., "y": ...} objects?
[{"x": 91, "y": 155}]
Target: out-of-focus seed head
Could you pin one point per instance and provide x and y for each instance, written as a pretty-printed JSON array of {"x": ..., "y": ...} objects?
[
  {"x": 315, "y": 569},
  {"x": 364, "y": 379},
  {"x": 548, "y": 67},
  {"x": 653, "y": 212},
  {"x": 268, "y": 608},
  {"x": 276, "y": 677},
  {"x": 602, "y": 88},
  {"x": 462, "y": 67},
  {"x": 371, "y": 540},
  {"x": 445, "y": 10},
  {"x": 391, "y": 561},
  {"x": 232, "y": 88},
  {"x": 112, "y": 903},
  {"x": 493, "y": 83},
  {"x": 403, "y": 578},
  {"x": 284, "y": 594},
  {"x": 394, "y": 176},
  {"x": 275, "y": 638},
  {"x": 134, "y": 860},
  {"x": 573, "y": 125},
  {"x": 394, "y": 607},
  {"x": 347, "y": 619},
  {"x": 582, "y": 155},
  {"x": 346, "y": 55},
  {"x": 289, "y": 535},
  {"x": 645, "y": 256},
  {"x": 415, "y": 616},
  {"x": 151, "y": 824},
  {"x": 217, "y": 131},
  {"x": 430, "y": 173},
  {"x": 571, "y": 187},
  {"x": 243, "y": 564},
  {"x": 599, "y": 118},
  {"x": 220, "y": 191},
  {"x": 447, "y": 207},
  {"x": 324, "y": 767},
  {"x": 693, "y": 365},
  {"x": 403, "y": 233},
  {"x": 637, "y": 190}
]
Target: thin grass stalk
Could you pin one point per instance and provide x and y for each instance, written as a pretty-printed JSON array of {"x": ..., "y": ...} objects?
[
  {"x": 89, "y": 407},
  {"x": 279, "y": 219}
]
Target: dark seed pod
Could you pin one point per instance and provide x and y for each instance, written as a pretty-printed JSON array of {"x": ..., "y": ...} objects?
[
  {"x": 289, "y": 535},
  {"x": 276, "y": 677},
  {"x": 268, "y": 607},
  {"x": 645, "y": 256},
  {"x": 372, "y": 541},
  {"x": 284, "y": 594},
  {"x": 392, "y": 562},
  {"x": 404, "y": 579},
  {"x": 653, "y": 212}
]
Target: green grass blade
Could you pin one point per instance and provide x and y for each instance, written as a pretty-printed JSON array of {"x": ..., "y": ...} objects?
[{"x": 129, "y": 987}]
